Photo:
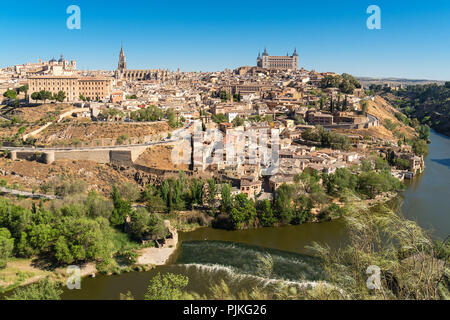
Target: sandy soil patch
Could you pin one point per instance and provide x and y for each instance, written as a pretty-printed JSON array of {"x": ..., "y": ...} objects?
[
  {"x": 155, "y": 256},
  {"x": 160, "y": 157}
]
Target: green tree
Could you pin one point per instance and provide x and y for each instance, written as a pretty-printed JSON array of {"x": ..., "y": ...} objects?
[
  {"x": 330, "y": 82},
  {"x": 340, "y": 181},
  {"x": 97, "y": 206},
  {"x": 283, "y": 203},
  {"x": 224, "y": 96},
  {"x": 364, "y": 107},
  {"x": 173, "y": 193},
  {"x": 242, "y": 212},
  {"x": 62, "y": 251},
  {"x": 45, "y": 95},
  {"x": 238, "y": 121},
  {"x": 10, "y": 94},
  {"x": 151, "y": 113},
  {"x": 23, "y": 248},
  {"x": 212, "y": 187},
  {"x": 36, "y": 96},
  {"x": 153, "y": 199},
  {"x": 302, "y": 210},
  {"x": 24, "y": 89},
  {"x": 172, "y": 118},
  {"x": 420, "y": 147},
  {"x": 265, "y": 213},
  {"x": 424, "y": 132},
  {"x": 196, "y": 192},
  {"x": 60, "y": 96},
  {"x": 6, "y": 246},
  {"x": 381, "y": 164},
  {"x": 226, "y": 203},
  {"x": 166, "y": 287},
  {"x": 122, "y": 208},
  {"x": 144, "y": 225},
  {"x": 219, "y": 118}
]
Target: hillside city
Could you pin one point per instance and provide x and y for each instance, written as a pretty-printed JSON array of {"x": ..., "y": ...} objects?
[
  {"x": 130, "y": 158},
  {"x": 321, "y": 121}
]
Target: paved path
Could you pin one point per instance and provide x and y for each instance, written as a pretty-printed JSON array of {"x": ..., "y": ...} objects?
[{"x": 27, "y": 194}]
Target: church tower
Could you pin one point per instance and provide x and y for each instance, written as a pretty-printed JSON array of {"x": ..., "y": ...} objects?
[{"x": 122, "y": 61}]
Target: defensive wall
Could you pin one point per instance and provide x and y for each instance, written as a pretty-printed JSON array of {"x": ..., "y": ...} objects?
[{"x": 124, "y": 156}]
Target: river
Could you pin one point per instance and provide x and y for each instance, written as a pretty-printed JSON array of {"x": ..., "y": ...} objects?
[{"x": 207, "y": 255}]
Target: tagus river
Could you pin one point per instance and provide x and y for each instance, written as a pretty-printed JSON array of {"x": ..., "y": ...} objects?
[{"x": 208, "y": 255}]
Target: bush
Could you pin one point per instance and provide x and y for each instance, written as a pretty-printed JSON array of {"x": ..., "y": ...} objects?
[
  {"x": 63, "y": 188},
  {"x": 42, "y": 290},
  {"x": 129, "y": 191},
  {"x": 122, "y": 139},
  {"x": 166, "y": 287}
]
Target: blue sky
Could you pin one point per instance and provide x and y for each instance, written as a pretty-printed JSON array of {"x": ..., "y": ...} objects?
[{"x": 208, "y": 35}]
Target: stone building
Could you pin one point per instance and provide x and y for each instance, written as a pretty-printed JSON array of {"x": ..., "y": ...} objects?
[
  {"x": 52, "y": 67},
  {"x": 122, "y": 73},
  {"x": 287, "y": 62},
  {"x": 94, "y": 88}
]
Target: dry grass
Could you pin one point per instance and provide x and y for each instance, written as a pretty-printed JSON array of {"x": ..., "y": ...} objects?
[
  {"x": 383, "y": 111},
  {"x": 31, "y": 174},
  {"x": 88, "y": 131}
]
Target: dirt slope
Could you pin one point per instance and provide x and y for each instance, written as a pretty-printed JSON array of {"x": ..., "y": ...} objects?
[{"x": 383, "y": 111}]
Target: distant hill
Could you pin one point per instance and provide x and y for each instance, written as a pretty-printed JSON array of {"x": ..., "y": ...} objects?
[{"x": 365, "y": 81}]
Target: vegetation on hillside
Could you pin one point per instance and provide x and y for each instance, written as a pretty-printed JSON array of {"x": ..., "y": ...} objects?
[
  {"x": 78, "y": 229},
  {"x": 429, "y": 104},
  {"x": 153, "y": 113},
  {"x": 345, "y": 82},
  {"x": 327, "y": 139},
  {"x": 293, "y": 204}
]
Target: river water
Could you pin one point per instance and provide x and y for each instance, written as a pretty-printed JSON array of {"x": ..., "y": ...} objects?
[{"x": 208, "y": 255}]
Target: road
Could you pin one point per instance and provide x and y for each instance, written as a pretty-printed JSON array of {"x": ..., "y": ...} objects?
[{"x": 27, "y": 194}]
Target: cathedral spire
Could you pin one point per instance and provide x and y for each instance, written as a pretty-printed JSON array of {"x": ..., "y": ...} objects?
[{"x": 122, "y": 61}]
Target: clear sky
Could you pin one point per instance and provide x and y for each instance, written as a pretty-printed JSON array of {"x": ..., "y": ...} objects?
[{"x": 414, "y": 41}]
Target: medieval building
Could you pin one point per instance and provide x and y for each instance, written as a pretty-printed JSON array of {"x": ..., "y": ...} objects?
[
  {"x": 287, "y": 62},
  {"x": 122, "y": 73}
]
